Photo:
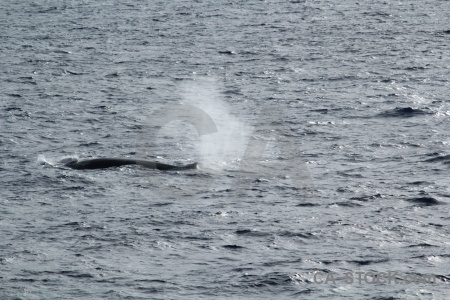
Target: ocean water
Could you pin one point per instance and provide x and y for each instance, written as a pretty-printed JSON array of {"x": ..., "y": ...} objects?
[{"x": 321, "y": 129}]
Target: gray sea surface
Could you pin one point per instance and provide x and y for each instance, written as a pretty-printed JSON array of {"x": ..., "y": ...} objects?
[{"x": 321, "y": 129}]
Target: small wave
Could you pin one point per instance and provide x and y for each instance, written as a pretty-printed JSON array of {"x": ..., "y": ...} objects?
[{"x": 346, "y": 204}]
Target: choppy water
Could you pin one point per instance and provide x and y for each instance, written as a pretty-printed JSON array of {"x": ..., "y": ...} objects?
[{"x": 357, "y": 91}]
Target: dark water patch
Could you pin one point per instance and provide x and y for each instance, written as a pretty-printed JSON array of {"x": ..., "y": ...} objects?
[
  {"x": 307, "y": 204},
  {"x": 75, "y": 188},
  {"x": 345, "y": 174},
  {"x": 404, "y": 112},
  {"x": 409, "y": 144},
  {"x": 153, "y": 281},
  {"x": 440, "y": 158},
  {"x": 194, "y": 238},
  {"x": 73, "y": 73},
  {"x": 161, "y": 204},
  {"x": 90, "y": 144},
  {"x": 420, "y": 183},
  {"x": 75, "y": 274},
  {"x": 59, "y": 51},
  {"x": 242, "y": 269},
  {"x": 86, "y": 227},
  {"x": 102, "y": 107},
  {"x": 114, "y": 279},
  {"x": 228, "y": 52},
  {"x": 22, "y": 280},
  {"x": 233, "y": 247},
  {"x": 377, "y": 14},
  {"x": 277, "y": 262},
  {"x": 26, "y": 80},
  {"x": 414, "y": 68},
  {"x": 325, "y": 111},
  {"x": 149, "y": 290},
  {"x": 383, "y": 95},
  {"x": 14, "y": 95},
  {"x": 250, "y": 232},
  {"x": 305, "y": 235},
  {"x": 312, "y": 132},
  {"x": 421, "y": 245},
  {"x": 366, "y": 262},
  {"x": 46, "y": 10},
  {"x": 270, "y": 279},
  {"x": 327, "y": 262},
  {"x": 112, "y": 75},
  {"x": 13, "y": 108},
  {"x": 73, "y": 224},
  {"x": 345, "y": 77},
  {"x": 424, "y": 201},
  {"x": 307, "y": 290},
  {"x": 367, "y": 198},
  {"x": 387, "y": 80},
  {"x": 443, "y": 278}
]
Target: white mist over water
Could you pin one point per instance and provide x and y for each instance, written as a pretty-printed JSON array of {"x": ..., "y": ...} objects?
[
  {"x": 224, "y": 148},
  {"x": 230, "y": 148}
]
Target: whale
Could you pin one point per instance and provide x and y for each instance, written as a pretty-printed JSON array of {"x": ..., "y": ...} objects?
[{"x": 103, "y": 163}]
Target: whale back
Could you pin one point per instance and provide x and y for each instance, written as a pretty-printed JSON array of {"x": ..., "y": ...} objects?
[
  {"x": 164, "y": 167},
  {"x": 102, "y": 163}
]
